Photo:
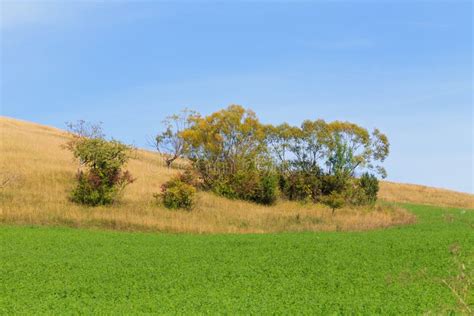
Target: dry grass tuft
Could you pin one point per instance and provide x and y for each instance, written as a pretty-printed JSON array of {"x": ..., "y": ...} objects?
[{"x": 32, "y": 153}]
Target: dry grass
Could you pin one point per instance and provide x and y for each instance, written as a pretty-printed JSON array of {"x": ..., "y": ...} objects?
[
  {"x": 419, "y": 194},
  {"x": 42, "y": 174}
]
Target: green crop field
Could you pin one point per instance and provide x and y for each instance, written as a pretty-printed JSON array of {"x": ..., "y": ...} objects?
[{"x": 425, "y": 267}]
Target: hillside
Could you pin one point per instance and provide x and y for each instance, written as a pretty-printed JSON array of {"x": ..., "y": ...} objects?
[
  {"x": 41, "y": 174},
  {"x": 420, "y": 194}
]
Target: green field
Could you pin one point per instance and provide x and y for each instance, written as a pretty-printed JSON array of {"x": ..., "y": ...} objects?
[{"x": 398, "y": 270}]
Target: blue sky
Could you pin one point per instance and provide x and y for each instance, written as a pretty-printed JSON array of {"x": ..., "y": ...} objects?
[{"x": 402, "y": 66}]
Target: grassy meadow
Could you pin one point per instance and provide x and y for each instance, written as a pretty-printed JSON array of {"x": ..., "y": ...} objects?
[{"x": 425, "y": 268}]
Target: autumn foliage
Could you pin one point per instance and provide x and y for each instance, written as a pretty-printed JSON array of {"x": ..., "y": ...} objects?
[
  {"x": 238, "y": 157},
  {"x": 100, "y": 178}
]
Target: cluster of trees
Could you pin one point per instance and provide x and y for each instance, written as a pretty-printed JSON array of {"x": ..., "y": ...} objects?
[{"x": 234, "y": 155}]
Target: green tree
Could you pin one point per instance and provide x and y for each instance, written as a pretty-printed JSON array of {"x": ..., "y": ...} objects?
[
  {"x": 296, "y": 152},
  {"x": 344, "y": 148},
  {"x": 100, "y": 178},
  {"x": 351, "y": 147}
]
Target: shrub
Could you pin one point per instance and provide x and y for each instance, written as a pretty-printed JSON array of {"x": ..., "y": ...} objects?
[
  {"x": 189, "y": 176},
  {"x": 246, "y": 184},
  {"x": 101, "y": 179},
  {"x": 176, "y": 194},
  {"x": 334, "y": 200},
  {"x": 250, "y": 185},
  {"x": 370, "y": 185},
  {"x": 267, "y": 192},
  {"x": 87, "y": 192},
  {"x": 301, "y": 185},
  {"x": 334, "y": 183},
  {"x": 223, "y": 188},
  {"x": 354, "y": 194}
]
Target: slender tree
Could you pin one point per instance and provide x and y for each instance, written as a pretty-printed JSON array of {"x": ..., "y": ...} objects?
[{"x": 169, "y": 142}]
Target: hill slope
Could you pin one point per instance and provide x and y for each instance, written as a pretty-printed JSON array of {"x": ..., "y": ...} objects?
[
  {"x": 42, "y": 174},
  {"x": 420, "y": 194}
]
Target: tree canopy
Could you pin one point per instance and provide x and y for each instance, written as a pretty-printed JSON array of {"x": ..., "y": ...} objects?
[{"x": 238, "y": 156}]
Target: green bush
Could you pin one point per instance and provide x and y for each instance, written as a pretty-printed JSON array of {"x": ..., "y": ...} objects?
[
  {"x": 250, "y": 185},
  {"x": 354, "y": 194},
  {"x": 267, "y": 192},
  {"x": 101, "y": 179},
  {"x": 318, "y": 187},
  {"x": 86, "y": 192},
  {"x": 176, "y": 194},
  {"x": 334, "y": 200},
  {"x": 334, "y": 183},
  {"x": 370, "y": 185},
  {"x": 223, "y": 188},
  {"x": 301, "y": 185},
  {"x": 246, "y": 184}
]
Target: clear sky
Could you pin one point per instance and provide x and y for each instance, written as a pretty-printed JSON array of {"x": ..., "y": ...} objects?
[{"x": 403, "y": 66}]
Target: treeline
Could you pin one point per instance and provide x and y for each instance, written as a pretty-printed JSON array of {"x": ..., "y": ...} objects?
[{"x": 233, "y": 154}]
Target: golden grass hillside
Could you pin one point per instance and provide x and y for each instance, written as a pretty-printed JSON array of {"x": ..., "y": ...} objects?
[
  {"x": 39, "y": 175},
  {"x": 420, "y": 194}
]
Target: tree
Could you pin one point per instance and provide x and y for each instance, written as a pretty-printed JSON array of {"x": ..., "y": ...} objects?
[
  {"x": 279, "y": 139},
  {"x": 100, "y": 178},
  {"x": 345, "y": 149},
  {"x": 225, "y": 141},
  {"x": 350, "y": 147},
  {"x": 169, "y": 142},
  {"x": 82, "y": 128},
  {"x": 228, "y": 149},
  {"x": 235, "y": 155}
]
